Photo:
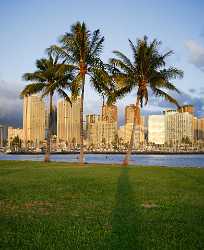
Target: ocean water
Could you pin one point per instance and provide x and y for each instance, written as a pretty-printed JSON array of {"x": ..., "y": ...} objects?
[{"x": 188, "y": 160}]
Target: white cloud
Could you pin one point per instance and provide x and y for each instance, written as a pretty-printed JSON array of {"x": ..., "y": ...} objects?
[{"x": 196, "y": 54}]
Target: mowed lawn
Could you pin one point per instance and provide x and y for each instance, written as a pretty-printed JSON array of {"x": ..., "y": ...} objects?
[{"x": 65, "y": 206}]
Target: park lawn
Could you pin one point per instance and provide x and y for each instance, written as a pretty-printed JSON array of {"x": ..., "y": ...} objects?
[{"x": 65, "y": 206}]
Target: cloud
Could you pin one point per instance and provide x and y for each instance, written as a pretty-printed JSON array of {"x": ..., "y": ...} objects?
[
  {"x": 157, "y": 105},
  {"x": 196, "y": 54},
  {"x": 10, "y": 103}
]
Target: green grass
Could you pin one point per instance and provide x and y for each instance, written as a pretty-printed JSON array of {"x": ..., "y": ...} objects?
[{"x": 62, "y": 206}]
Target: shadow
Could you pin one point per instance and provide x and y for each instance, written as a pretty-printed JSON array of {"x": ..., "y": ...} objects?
[{"x": 124, "y": 216}]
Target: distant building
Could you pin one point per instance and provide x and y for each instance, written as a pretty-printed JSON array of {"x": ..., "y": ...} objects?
[
  {"x": 200, "y": 128},
  {"x": 178, "y": 126},
  {"x": 186, "y": 108},
  {"x": 3, "y": 134},
  {"x": 34, "y": 119},
  {"x": 125, "y": 132},
  {"x": 53, "y": 122},
  {"x": 109, "y": 113},
  {"x": 101, "y": 129},
  {"x": 68, "y": 121},
  {"x": 130, "y": 112},
  {"x": 156, "y": 129},
  {"x": 14, "y": 132}
]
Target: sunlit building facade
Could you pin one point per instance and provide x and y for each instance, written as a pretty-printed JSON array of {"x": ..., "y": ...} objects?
[
  {"x": 178, "y": 126},
  {"x": 200, "y": 128},
  {"x": 68, "y": 121},
  {"x": 156, "y": 129},
  {"x": 130, "y": 113},
  {"x": 34, "y": 119},
  {"x": 14, "y": 132},
  {"x": 102, "y": 129}
]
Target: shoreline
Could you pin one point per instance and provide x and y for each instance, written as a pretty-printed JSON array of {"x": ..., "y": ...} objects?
[{"x": 110, "y": 153}]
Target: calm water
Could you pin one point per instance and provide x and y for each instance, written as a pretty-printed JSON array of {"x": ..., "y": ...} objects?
[{"x": 153, "y": 160}]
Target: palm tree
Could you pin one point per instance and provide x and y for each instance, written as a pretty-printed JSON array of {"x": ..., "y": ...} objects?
[
  {"x": 50, "y": 76},
  {"x": 81, "y": 49},
  {"x": 146, "y": 71}
]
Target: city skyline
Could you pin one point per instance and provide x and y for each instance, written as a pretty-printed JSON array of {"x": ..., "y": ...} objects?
[
  {"x": 188, "y": 45},
  {"x": 102, "y": 129}
]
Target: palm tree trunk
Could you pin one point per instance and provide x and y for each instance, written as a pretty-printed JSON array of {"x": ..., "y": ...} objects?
[
  {"x": 26, "y": 123},
  {"x": 47, "y": 155},
  {"x": 130, "y": 146},
  {"x": 81, "y": 158}
]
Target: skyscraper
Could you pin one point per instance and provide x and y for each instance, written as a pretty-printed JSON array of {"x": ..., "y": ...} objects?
[
  {"x": 101, "y": 129},
  {"x": 14, "y": 132},
  {"x": 126, "y": 130},
  {"x": 34, "y": 119},
  {"x": 178, "y": 126},
  {"x": 200, "y": 127},
  {"x": 156, "y": 129},
  {"x": 68, "y": 121},
  {"x": 129, "y": 114},
  {"x": 109, "y": 113},
  {"x": 3, "y": 134}
]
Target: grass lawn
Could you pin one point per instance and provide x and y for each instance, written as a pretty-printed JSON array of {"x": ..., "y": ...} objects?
[{"x": 64, "y": 206}]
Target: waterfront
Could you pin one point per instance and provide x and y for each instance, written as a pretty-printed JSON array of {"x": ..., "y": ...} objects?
[{"x": 188, "y": 160}]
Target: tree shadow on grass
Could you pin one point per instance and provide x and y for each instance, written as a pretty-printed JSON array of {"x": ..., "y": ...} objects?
[{"x": 124, "y": 216}]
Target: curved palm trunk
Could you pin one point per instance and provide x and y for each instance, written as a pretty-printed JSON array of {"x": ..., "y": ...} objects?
[
  {"x": 47, "y": 154},
  {"x": 130, "y": 146},
  {"x": 81, "y": 158}
]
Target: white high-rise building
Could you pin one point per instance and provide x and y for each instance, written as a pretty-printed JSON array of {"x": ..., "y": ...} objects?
[
  {"x": 156, "y": 129},
  {"x": 34, "y": 119},
  {"x": 68, "y": 121},
  {"x": 178, "y": 126}
]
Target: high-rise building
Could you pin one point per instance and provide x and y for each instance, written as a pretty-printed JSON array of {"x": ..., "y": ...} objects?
[
  {"x": 178, "y": 126},
  {"x": 200, "y": 127},
  {"x": 130, "y": 112},
  {"x": 102, "y": 132},
  {"x": 109, "y": 113},
  {"x": 34, "y": 119},
  {"x": 186, "y": 108},
  {"x": 125, "y": 131},
  {"x": 14, "y": 132},
  {"x": 101, "y": 129},
  {"x": 3, "y": 134},
  {"x": 156, "y": 129},
  {"x": 68, "y": 121}
]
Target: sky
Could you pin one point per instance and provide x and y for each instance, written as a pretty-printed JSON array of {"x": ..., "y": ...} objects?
[{"x": 27, "y": 28}]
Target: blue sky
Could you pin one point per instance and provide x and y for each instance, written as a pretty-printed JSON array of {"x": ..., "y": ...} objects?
[{"x": 27, "y": 28}]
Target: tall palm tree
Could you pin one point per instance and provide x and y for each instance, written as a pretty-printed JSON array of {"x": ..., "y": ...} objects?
[
  {"x": 145, "y": 71},
  {"x": 51, "y": 76},
  {"x": 81, "y": 49}
]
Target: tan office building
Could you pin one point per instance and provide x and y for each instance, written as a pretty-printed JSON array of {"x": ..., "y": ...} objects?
[
  {"x": 109, "y": 113},
  {"x": 34, "y": 119},
  {"x": 130, "y": 112},
  {"x": 68, "y": 121},
  {"x": 101, "y": 129},
  {"x": 200, "y": 128},
  {"x": 14, "y": 132},
  {"x": 156, "y": 129}
]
